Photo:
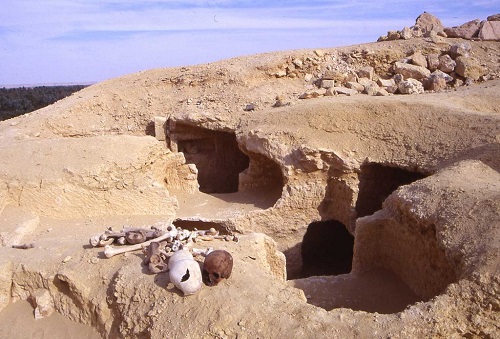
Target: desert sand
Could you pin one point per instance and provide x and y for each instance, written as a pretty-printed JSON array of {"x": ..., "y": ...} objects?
[{"x": 414, "y": 179}]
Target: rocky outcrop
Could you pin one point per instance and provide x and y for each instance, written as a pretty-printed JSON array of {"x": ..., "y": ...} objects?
[
  {"x": 490, "y": 30},
  {"x": 468, "y": 31}
]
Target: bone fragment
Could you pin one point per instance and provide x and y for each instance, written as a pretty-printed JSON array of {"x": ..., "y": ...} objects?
[{"x": 111, "y": 251}]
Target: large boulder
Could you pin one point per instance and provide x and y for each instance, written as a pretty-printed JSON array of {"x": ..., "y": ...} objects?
[
  {"x": 411, "y": 71},
  {"x": 490, "y": 30},
  {"x": 468, "y": 30},
  {"x": 410, "y": 86},
  {"x": 428, "y": 23},
  {"x": 469, "y": 68}
]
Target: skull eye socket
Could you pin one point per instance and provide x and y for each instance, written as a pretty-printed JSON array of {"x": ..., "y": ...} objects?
[{"x": 216, "y": 275}]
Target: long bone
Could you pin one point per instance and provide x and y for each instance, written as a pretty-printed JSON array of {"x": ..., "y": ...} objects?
[{"x": 111, "y": 251}]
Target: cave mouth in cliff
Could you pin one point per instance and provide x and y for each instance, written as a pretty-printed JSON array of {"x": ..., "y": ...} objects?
[
  {"x": 327, "y": 249},
  {"x": 377, "y": 182}
]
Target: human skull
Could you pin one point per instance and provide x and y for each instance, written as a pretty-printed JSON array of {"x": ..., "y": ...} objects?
[
  {"x": 185, "y": 272},
  {"x": 217, "y": 266}
]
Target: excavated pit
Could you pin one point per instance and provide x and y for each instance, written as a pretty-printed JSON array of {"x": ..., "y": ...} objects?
[{"x": 328, "y": 277}]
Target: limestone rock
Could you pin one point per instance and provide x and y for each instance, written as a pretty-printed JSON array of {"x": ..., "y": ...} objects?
[
  {"x": 327, "y": 83},
  {"x": 460, "y": 49},
  {"x": 366, "y": 72},
  {"x": 371, "y": 88},
  {"x": 406, "y": 33},
  {"x": 446, "y": 63},
  {"x": 429, "y": 22},
  {"x": 355, "y": 85},
  {"x": 388, "y": 84},
  {"x": 419, "y": 59},
  {"x": 490, "y": 30},
  {"x": 494, "y": 17},
  {"x": 160, "y": 128},
  {"x": 345, "y": 91},
  {"x": 432, "y": 62},
  {"x": 410, "y": 86},
  {"x": 382, "y": 92},
  {"x": 411, "y": 71},
  {"x": 469, "y": 68},
  {"x": 468, "y": 30},
  {"x": 437, "y": 81}
]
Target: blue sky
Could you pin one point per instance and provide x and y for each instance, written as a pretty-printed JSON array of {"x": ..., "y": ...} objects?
[{"x": 71, "y": 41}]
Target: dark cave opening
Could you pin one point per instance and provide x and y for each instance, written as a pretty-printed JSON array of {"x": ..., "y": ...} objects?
[
  {"x": 327, "y": 249},
  {"x": 377, "y": 182},
  {"x": 215, "y": 153}
]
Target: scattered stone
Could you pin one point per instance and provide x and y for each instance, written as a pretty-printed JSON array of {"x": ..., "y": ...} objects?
[
  {"x": 468, "y": 31},
  {"x": 410, "y": 86},
  {"x": 446, "y": 63},
  {"x": 308, "y": 77},
  {"x": 345, "y": 91},
  {"x": 411, "y": 71},
  {"x": 435, "y": 84},
  {"x": 319, "y": 53},
  {"x": 460, "y": 49},
  {"x": 419, "y": 59},
  {"x": 381, "y": 92},
  {"x": 298, "y": 63},
  {"x": 494, "y": 17},
  {"x": 280, "y": 74},
  {"x": 371, "y": 88},
  {"x": 355, "y": 86},
  {"x": 398, "y": 78},
  {"x": 249, "y": 107},
  {"x": 458, "y": 83},
  {"x": 428, "y": 23},
  {"x": 327, "y": 83},
  {"x": 366, "y": 72},
  {"x": 436, "y": 38},
  {"x": 393, "y": 35},
  {"x": 469, "y": 68},
  {"x": 406, "y": 33},
  {"x": 432, "y": 62},
  {"x": 388, "y": 84},
  {"x": 490, "y": 30}
]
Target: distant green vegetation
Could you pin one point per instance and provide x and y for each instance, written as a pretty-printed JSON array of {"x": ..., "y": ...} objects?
[{"x": 17, "y": 101}]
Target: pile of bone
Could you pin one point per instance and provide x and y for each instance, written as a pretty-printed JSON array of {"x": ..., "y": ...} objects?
[{"x": 172, "y": 250}]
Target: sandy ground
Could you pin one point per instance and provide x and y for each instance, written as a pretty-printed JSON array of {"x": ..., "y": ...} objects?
[{"x": 20, "y": 323}]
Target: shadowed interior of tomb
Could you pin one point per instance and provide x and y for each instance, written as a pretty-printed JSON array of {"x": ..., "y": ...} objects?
[
  {"x": 377, "y": 182},
  {"x": 215, "y": 153},
  {"x": 327, "y": 249},
  {"x": 199, "y": 225}
]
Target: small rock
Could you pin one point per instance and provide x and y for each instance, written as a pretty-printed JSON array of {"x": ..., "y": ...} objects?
[
  {"x": 327, "y": 83},
  {"x": 435, "y": 84},
  {"x": 345, "y": 91},
  {"x": 371, "y": 88},
  {"x": 308, "y": 77},
  {"x": 388, "y": 84},
  {"x": 68, "y": 258},
  {"x": 406, "y": 33},
  {"x": 249, "y": 107},
  {"x": 446, "y": 63},
  {"x": 382, "y": 92},
  {"x": 298, "y": 63},
  {"x": 280, "y": 74},
  {"x": 393, "y": 35},
  {"x": 410, "y": 86},
  {"x": 355, "y": 86},
  {"x": 319, "y": 52}
]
